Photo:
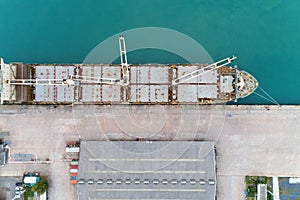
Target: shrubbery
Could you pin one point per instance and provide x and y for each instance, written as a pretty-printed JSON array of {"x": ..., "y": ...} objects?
[
  {"x": 40, "y": 187},
  {"x": 28, "y": 192}
]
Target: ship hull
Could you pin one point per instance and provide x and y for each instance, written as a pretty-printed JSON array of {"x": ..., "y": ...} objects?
[{"x": 148, "y": 84}]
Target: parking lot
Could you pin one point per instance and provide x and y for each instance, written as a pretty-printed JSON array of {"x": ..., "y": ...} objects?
[
  {"x": 253, "y": 140},
  {"x": 7, "y": 187}
]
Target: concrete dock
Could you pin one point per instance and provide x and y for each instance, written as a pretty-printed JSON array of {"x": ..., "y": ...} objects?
[{"x": 249, "y": 140}]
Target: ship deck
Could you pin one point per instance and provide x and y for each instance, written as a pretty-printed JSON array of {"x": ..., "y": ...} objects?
[{"x": 148, "y": 84}]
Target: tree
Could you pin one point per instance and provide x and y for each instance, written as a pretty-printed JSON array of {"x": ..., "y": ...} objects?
[
  {"x": 40, "y": 187},
  {"x": 28, "y": 192}
]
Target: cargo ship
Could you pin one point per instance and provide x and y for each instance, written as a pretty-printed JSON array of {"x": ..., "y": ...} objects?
[{"x": 125, "y": 83}]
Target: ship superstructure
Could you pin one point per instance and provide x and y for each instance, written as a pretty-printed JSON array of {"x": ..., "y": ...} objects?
[{"x": 124, "y": 84}]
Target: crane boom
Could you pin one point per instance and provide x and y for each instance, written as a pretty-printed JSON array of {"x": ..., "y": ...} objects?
[
  {"x": 124, "y": 64},
  {"x": 124, "y": 81},
  {"x": 198, "y": 72},
  {"x": 70, "y": 81},
  {"x": 34, "y": 82},
  {"x": 94, "y": 80}
]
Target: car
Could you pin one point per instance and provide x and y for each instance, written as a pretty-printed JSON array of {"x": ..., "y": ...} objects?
[
  {"x": 74, "y": 167},
  {"x": 19, "y": 188},
  {"x": 81, "y": 181},
  {"x": 19, "y": 184},
  {"x": 211, "y": 182},
  {"x": 18, "y": 192},
  {"x": 17, "y": 196}
]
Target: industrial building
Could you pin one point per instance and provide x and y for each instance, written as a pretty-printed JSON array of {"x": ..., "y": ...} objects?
[{"x": 147, "y": 170}]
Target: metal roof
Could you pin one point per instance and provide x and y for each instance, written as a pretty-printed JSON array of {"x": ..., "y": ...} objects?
[{"x": 146, "y": 170}]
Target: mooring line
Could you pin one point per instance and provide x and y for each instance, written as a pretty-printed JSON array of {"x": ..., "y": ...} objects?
[
  {"x": 269, "y": 96},
  {"x": 264, "y": 98}
]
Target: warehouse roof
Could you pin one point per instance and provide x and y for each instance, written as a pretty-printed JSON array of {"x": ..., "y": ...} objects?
[{"x": 146, "y": 170}]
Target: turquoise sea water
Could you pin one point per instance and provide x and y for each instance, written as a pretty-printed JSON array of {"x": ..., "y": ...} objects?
[{"x": 264, "y": 34}]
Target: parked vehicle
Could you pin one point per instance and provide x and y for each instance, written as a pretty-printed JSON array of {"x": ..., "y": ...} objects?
[
  {"x": 73, "y": 174},
  {"x": 74, "y": 162},
  {"x": 19, "y": 188},
  {"x": 74, "y": 166},
  {"x": 19, "y": 184},
  {"x": 81, "y": 181},
  {"x": 73, "y": 182},
  {"x": 73, "y": 170}
]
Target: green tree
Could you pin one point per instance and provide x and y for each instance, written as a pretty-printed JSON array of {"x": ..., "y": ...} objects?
[
  {"x": 40, "y": 187},
  {"x": 28, "y": 192}
]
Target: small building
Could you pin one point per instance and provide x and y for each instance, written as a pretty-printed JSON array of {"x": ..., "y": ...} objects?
[{"x": 147, "y": 170}]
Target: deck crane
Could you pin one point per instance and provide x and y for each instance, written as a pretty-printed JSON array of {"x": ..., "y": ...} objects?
[
  {"x": 70, "y": 81},
  {"x": 124, "y": 64},
  {"x": 124, "y": 81},
  {"x": 203, "y": 70}
]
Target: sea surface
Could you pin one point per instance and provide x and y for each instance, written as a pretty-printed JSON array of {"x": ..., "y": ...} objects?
[{"x": 263, "y": 34}]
